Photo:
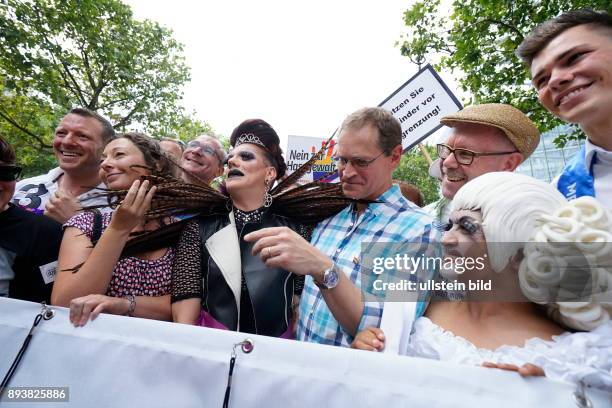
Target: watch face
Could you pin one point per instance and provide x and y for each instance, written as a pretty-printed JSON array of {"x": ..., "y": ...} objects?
[{"x": 330, "y": 279}]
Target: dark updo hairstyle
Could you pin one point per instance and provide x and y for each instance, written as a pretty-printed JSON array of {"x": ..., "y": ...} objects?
[
  {"x": 154, "y": 158},
  {"x": 267, "y": 135},
  {"x": 7, "y": 154}
]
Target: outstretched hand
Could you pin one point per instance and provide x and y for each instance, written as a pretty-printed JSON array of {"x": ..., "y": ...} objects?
[
  {"x": 89, "y": 307},
  {"x": 371, "y": 339},
  {"x": 526, "y": 370},
  {"x": 131, "y": 212},
  {"x": 285, "y": 248}
]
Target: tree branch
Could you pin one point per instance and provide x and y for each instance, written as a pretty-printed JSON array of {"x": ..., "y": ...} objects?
[
  {"x": 90, "y": 77},
  {"x": 492, "y": 21},
  {"x": 51, "y": 46},
  {"x": 109, "y": 103},
  {"x": 126, "y": 119},
  {"x": 24, "y": 130},
  {"x": 74, "y": 82}
]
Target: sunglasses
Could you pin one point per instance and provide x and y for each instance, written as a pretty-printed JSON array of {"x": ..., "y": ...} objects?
[{"x": 9, "y": 173}]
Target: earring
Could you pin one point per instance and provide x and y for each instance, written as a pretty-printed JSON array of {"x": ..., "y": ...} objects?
[{"x": 267, "y": 197}]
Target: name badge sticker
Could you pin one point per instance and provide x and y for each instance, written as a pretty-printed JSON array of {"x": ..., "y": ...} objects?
[{"x": 48, "y": 272}]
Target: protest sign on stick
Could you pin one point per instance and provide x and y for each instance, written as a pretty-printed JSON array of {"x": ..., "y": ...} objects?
[{"x": 419, "y": 104}]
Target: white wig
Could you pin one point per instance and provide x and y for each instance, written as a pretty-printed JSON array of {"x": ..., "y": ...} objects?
[
  {"x": 580, "y": 266},
  {"x": 525, "y": 213},
  {"x": 512, "y": 205}
]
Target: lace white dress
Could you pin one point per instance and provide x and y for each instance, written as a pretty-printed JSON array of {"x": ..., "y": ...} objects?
[{"x": 569, "y": 357}]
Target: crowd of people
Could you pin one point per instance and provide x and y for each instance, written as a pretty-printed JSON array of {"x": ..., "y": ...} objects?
[{"x": 267, "y": 256}]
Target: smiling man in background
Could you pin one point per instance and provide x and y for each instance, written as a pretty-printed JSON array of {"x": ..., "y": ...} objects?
[
  {"x": 570, "y": 61},
  {"x": 203, "y": 160},
  {"x": 77, "y": 145},
  {"x": 482, "y": 139}
]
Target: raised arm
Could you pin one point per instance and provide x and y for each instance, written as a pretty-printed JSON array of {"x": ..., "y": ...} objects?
[{"x": 98, "y": 263}]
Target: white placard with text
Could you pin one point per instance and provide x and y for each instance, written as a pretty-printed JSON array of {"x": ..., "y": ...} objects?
[{"x": 419, "y": 104}]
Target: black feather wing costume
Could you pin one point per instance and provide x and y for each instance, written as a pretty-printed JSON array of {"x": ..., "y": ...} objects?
[{"x": 307, "y": 204}]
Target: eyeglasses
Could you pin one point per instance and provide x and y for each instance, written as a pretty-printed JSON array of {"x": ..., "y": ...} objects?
[
  {"x": 464, "y": 156},
  {"x": 9, "y": 173},
  {"x": 356, "y": 162},
  {"x": 204, "y": 149}
]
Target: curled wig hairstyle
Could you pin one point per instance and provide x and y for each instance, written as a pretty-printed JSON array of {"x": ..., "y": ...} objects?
[
  {"x": 567, "y": 264},
  {"x": 154, "y": 157},
  {"x": 511, "y": 205},
  {"x": 555, "y": 237}
]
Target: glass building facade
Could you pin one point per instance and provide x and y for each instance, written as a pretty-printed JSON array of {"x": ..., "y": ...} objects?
[{"x": 548, "y": 160}]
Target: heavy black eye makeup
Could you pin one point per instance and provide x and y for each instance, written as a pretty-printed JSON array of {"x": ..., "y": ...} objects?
[
  {"x": 465, "y": 223},
  {"x": 468, "y": 224},
  {"x": 244, "y": 155}
]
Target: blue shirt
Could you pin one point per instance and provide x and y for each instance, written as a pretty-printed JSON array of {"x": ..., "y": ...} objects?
[{"x": 393, "y": 219}]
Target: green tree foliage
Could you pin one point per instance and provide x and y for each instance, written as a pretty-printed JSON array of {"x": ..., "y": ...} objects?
[
  {"x": 414, "y": 169},
  {"x": 37, "y": 119},
  {"x": 58, "y": 54},
  {"x": 476, "y": 40}
]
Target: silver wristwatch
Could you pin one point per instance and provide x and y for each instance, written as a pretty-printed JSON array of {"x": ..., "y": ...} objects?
[{"x": 330, "y": 278}]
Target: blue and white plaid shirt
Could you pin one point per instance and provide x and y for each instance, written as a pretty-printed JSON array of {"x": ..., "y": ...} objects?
[{"x": 393, "y": 219}]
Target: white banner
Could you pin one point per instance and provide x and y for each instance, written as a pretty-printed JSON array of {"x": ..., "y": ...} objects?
[
  {"x": 419, "y": 104},
  {"x": 301, "y": 148},
  {"x": 118, "y": 361}
]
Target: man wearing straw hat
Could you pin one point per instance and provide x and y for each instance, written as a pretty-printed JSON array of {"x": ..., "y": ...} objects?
[{"x": 483, "y": 138}]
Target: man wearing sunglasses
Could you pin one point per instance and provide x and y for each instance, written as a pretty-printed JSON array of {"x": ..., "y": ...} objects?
[
  {"x": 29, "y": 244},
  {"x": 203, "y": 160},
  {"x": 483, "y": 138}
]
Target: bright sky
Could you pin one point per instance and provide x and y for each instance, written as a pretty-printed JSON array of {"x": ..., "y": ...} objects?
[{"x": 300, "y": 65}]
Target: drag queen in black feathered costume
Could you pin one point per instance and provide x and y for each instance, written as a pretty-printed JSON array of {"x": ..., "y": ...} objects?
[{"x": 217, "y": 282}]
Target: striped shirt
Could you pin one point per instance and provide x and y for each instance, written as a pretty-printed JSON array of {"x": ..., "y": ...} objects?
[{"x": 392, "y": 219}]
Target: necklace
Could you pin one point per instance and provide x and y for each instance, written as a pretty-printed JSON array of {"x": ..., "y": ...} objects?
[{"x": 246, "y": 217}]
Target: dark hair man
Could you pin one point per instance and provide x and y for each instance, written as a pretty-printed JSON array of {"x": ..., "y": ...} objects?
[
  {"x": 570, "y": 61},
  {"x": 331, "y": 307},
  {"x": 79, "y": 139}
]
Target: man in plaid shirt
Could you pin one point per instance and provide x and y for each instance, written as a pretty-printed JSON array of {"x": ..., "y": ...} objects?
[{"x": 332, "y": 309}]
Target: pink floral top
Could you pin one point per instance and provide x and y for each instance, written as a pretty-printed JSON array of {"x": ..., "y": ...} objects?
[{"x": 131, "y": 276}]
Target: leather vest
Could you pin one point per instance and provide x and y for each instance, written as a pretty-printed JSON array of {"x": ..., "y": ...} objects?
[{"x": 270, "y": 289}]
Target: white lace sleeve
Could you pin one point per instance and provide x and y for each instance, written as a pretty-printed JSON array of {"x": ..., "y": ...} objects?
[{"x": 573, "y": 357}]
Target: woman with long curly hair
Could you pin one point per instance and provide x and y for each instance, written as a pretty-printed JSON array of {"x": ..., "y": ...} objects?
[{"x": 91, "y": 277}]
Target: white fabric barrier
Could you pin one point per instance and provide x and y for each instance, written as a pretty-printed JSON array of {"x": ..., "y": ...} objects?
[{"x": 117, "y": 361}]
